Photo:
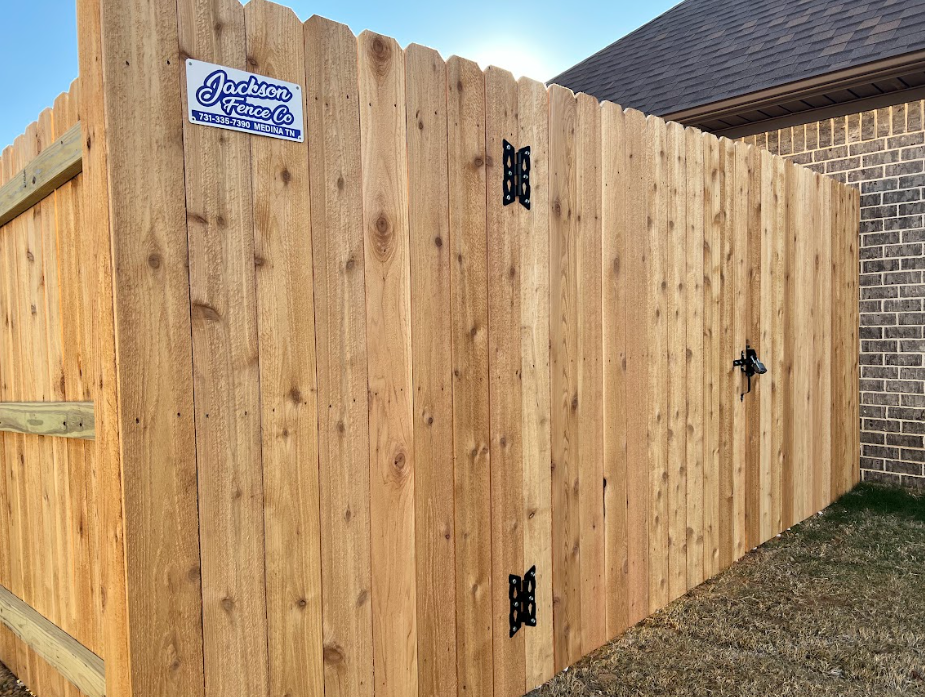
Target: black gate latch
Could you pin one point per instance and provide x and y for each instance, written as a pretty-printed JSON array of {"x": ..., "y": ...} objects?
[
  {"x": 516, "y": 175},
  {"x": 522, "y": 595},
  {"x": 750, "y": 365}
]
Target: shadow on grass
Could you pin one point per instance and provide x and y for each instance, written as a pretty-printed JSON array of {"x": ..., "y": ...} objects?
[{"x": 881, "y": 500}]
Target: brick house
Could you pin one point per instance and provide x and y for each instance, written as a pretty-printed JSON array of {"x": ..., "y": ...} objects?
[{"x": 836, "y": 85}]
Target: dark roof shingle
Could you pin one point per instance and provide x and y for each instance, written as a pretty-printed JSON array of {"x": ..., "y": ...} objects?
[{"x": 702, "y": 51}]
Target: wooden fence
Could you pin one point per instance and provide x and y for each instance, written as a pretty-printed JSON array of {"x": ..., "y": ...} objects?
[
  {"x": 342, "y": 392},
  {"x": 50, "y": 366}
]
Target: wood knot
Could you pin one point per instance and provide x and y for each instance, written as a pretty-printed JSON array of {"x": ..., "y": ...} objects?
[
  {"x": 302, "y": 603},
  {"x": 295, "y": 395},
  {"x": 478, "y": 162},
  {"x": 205, "y": 312},
  {"x": 438, "y": 241},
  {"x": 227, "y": 604},
  {"x": 341, "y": 183},
  {"x": 154, "y": 261},
  {"x": 362, "y": 597},
  {"x": 30, "y": 256},
  {"x": 383, "y": 237},
  {"x": 286, "y": 176},
  {"x": 399, "y": 462},
  {"x": 381, "y": 53},
  {"x": 333, "y": 654}
]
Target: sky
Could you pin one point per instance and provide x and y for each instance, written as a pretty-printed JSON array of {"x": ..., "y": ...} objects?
[{"x": 537, "y": 38}]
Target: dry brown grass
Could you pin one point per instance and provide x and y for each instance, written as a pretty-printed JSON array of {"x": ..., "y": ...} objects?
[{"x": 835, "y": 607}]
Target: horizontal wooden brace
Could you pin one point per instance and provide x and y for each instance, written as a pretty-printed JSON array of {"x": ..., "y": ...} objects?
[
  {"x": 56, "y": 165},
  {"x": 74, "y": 661},
  {"x": 63, "y": 419}
]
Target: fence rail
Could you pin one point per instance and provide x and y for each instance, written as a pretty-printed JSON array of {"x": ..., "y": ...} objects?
[
  {"x": 64, "y": 419},
  {"x": 54, "y": 166},
  {"x": 348, "y": 392}
]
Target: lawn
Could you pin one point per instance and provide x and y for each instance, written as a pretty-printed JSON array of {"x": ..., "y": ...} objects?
[{"x": 835, "y": 606}]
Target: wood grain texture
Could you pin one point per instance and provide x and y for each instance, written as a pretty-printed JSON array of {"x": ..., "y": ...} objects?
[
  {"x": 37, "y": 531},
  {"x": 729, "y": 349},
  {"x": 780, "y": 277},
  {"x": 790, "y": 476},
  {"x": 677, "y": 348},
  {"x": 505, "y": 281},
  {"x": 822, "y": 350},
  {"x": 432, "y": 367},
  {"x": 585, "y": 288},
  {"x": 637, "y": 362},
  {"x": 766, "y": 305},
  {"x": 712, "y": 294},
  {"x": 533, "y": 130},
  {"x": 803, "y": 323},
  {"x": 52, "y": 467},
  {"x": 694, "y": 355},
  {"x": 563, "y": 360},
  {"x": 288, "y": 384},
  {"x": 148, "y": 232},
  {"x": 80, "y": 485},
  {"x": 96, "y": 261},
  {"x": 388, "y": 330},
  {"x": 616, "y": 242},
  {"x": 739, "y": 299},
  {"x": 657, "y": 387},
  {"x": 340, "y": 318},
  {"x": 226, "y": 374},
  {"x": 755, "y": 285},
  {"x": 11, "y": 445},
  {"x": 62, "y": 419},
  {"x": 466, "y": 182}
]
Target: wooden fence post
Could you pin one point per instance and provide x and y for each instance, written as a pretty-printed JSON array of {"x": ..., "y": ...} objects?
[{"x": 133, "y": 158}]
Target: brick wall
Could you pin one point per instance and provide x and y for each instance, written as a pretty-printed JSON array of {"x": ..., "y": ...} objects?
[{"x": 883, "y": 153}]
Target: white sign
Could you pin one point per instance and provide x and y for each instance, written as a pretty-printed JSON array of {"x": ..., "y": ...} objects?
[{"x": 239, "y": 101}]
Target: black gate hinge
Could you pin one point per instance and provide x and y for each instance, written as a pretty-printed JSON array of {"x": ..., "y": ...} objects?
[
  {"x": 522, "y": 594},
  {"x": 516, "y": 175}
]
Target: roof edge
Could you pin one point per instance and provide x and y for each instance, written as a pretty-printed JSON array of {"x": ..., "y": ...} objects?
[{"x": 801, "y": 89}]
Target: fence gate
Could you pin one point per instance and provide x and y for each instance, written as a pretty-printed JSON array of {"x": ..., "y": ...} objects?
[{"x": 433, "y": 397}]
